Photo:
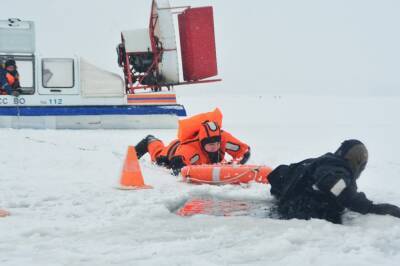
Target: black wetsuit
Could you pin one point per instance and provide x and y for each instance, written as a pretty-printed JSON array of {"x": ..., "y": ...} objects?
[{"x": 321, "y": 188}]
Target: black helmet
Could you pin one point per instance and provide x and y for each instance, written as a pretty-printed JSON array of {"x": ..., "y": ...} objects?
[
  {"x": 10, "y": 62},
  {"x": 355, "y": 153}
]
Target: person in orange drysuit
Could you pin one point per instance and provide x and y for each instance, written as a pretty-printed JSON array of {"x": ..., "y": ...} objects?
[{"x": 208, "y": 146}]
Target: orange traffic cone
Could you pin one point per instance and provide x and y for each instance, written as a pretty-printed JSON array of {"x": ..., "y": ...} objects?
[{"x": 131, "y": 177}]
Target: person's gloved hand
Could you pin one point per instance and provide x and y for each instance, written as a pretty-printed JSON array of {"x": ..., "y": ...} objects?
[
  {"x": 385, "y": 208},
  {"x": 176, "y": 171},
  {"x": 240, "y": 160},
  {"x": 176, "y": 165},
  {"x": 245, "y": 157}
]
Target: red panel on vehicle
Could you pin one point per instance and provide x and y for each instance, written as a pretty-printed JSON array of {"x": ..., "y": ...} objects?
[{"x": 196, "y": 31}]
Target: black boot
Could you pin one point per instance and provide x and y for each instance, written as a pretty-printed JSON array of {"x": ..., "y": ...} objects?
[{"x": 141, "y": 147}]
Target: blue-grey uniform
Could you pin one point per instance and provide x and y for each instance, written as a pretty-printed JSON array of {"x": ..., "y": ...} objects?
[{"x": 4, "y": 83}]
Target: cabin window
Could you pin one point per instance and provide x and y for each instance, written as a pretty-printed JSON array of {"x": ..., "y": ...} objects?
[
  {"x": 58, "y": 73},
  {"x": 26, "y": 80}
]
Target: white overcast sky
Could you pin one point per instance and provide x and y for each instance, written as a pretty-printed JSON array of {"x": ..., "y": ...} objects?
[{"x": 336, "y": 45}]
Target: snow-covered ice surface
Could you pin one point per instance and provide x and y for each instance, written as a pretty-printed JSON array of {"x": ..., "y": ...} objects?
[
  {"x": 60, "y": 188},
  {"x": 60, "y": 185}
]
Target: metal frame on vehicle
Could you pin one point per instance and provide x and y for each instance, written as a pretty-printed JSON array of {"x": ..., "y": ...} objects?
[{"x": 134, "y": 80}]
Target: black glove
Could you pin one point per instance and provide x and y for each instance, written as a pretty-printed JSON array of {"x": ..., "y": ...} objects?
[
  {"x": 162, "y": 161},
  {"x": 384, "y": 209},
  {"x": 245, "y": 158},
  {"x": 176, "y": 164}
]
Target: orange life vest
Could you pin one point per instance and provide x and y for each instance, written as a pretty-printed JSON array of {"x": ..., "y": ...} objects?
[
  {"x": 10, "y": 79},
  {"x": 188, "y": 128}
]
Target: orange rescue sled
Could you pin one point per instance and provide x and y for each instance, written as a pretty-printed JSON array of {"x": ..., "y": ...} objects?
[{"x": 220, "y": 174}]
